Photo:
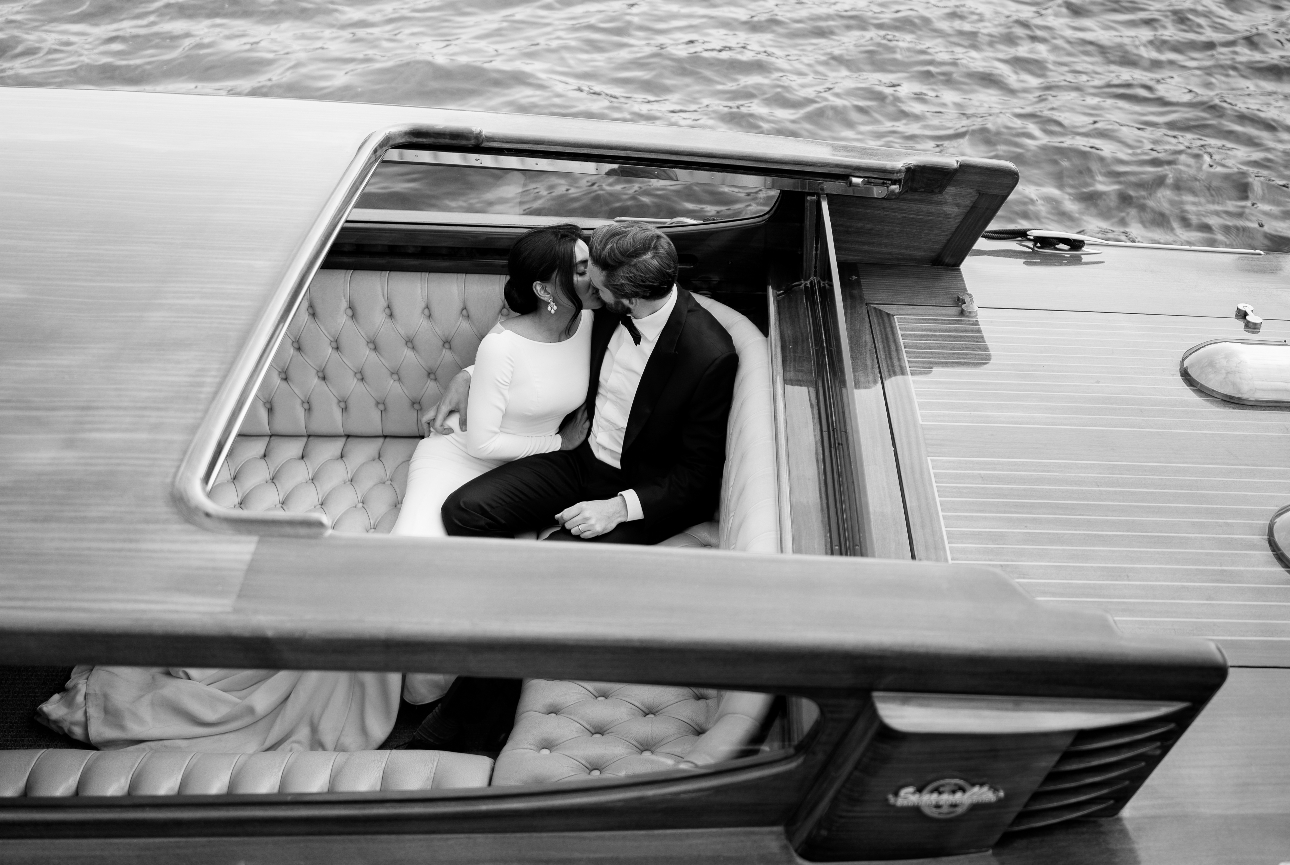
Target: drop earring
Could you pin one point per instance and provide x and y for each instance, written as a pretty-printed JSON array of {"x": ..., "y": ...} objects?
[{"x": 551, "y": 307}]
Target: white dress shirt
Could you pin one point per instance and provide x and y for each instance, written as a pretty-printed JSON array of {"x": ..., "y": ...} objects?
[{"x": 620, "y": 376}]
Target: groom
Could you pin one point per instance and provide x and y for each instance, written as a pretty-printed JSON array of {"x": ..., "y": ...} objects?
[{"x": 662, "y": 377}]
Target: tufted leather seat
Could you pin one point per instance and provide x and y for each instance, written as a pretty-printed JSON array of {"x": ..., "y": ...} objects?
[
  {"x": 336, "y": 419},
  {"x": 337, "y": 416},
  {"x": 571, "y": 730},
  {"x": 66, "y": 772}
]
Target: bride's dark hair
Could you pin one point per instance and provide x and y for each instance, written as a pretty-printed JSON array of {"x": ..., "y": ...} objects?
[{"x": 543, "y": 255}]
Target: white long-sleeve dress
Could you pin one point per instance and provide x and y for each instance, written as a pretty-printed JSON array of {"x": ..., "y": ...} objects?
[{"x": 520, "y": 391}]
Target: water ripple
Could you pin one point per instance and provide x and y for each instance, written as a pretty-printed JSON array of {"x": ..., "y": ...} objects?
[{"x": 1157, "y": 119}]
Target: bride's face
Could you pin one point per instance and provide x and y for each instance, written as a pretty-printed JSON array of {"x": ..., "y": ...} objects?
[{"x": 582, "y": 279}]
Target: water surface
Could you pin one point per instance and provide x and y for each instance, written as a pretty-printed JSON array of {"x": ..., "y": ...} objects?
[{"x": 1162, "y": 121}]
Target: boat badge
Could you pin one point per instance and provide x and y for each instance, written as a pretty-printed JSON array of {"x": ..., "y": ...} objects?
[{"x": 944, "y": 799}]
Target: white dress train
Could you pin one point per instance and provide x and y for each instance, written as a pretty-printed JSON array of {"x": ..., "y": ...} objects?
[{"x": 520, "y": 391}]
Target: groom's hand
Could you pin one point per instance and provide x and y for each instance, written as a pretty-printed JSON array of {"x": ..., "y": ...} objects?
[
  {"x": 593, "y": 519},
  {"x": 455, "y": 397}
]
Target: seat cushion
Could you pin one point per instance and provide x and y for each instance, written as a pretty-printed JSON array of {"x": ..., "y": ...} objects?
[
  {"x": 357, "y": 481},
  {"x": 573, "y": 730},
  {"x": 60, "y": 772}
]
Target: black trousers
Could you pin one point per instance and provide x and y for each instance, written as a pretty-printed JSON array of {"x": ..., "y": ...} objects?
[{"x": 526, "y": 495}]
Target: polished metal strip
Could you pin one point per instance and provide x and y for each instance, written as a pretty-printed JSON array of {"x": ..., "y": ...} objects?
[
  {"x": 985, "y": 715},
  {"x": 781, "y": 424}
]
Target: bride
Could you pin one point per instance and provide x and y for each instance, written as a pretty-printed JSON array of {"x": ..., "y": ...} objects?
[{"x": 531, "y": 371}]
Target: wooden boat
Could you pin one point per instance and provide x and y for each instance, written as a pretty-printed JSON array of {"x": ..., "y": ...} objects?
[{"x": 976, "y": 450}]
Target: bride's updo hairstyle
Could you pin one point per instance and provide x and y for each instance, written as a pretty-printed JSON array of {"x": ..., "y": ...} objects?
[{"x": 543, "y": 255}]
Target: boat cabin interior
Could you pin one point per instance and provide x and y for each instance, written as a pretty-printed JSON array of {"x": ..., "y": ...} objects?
[{"x": 907, "y": 631}]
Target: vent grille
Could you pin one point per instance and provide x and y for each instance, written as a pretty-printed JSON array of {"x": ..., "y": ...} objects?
[{"x": 1099, "y": 771}]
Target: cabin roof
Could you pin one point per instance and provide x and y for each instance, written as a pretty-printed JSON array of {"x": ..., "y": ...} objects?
[{"x": 141, "y": 237}]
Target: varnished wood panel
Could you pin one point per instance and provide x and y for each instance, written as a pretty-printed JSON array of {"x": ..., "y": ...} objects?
[
  {"x": 922, "y": 508},
  {"x": 1067, "y": 450},
  {"x": 863, "y": 822},
  {"x": 920, "y": 228}
]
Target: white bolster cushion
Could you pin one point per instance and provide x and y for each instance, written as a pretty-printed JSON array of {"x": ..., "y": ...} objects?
[{"x": 67, "y": 772}]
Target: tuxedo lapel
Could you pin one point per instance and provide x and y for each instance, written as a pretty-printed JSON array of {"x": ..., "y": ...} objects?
[
  {"x": 602, "y": 329},
  {"x": 659, "y": 369}
]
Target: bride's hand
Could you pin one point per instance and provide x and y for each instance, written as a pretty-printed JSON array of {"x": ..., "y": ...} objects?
[
  {"x": 455, "y": 397},
  {"x": 574, "y": 429}
]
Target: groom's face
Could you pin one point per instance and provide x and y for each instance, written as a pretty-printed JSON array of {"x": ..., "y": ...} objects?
[{"x": 607, "y": 297}]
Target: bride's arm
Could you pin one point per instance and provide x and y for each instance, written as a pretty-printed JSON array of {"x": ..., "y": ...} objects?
[{"x": 489, "y": 394}]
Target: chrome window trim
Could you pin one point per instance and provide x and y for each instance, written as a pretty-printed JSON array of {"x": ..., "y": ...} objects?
[
  {"x": 190, "y": 491},
  {"x": 1190, "y": 379}
]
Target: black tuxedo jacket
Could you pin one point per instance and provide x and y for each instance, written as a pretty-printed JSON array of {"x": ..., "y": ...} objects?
[{"x": 674, "y": 448}]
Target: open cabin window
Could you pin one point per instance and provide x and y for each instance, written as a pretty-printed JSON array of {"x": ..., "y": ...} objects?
[{"x": 429, "y": 186}]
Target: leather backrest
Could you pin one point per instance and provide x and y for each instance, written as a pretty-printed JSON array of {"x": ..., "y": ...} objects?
[
  {"x": 368, "y": 350},
  {"x": 67, "y": 772},
  {"x": 749, "y": 487}
]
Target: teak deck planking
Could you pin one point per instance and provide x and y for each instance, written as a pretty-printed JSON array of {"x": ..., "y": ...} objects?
[{"x": 1068, "y": 451}]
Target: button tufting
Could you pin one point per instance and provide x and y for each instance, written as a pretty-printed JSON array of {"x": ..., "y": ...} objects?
[
  {"x": 505, "y": 311},
  {"x": 432, "y": 377},
  {"x": 545, "y": 751},
  {"x": 597, "y": 735},
  {"x": 650, "y": 715},
  {"x": 426, "y": 312},
  {"x": 305, "y": 406},
  {"x": 408, "y": 343},
  {"x": 321, "y": 374},
  {"x": 283, "y": 375},
  {"x": 342, "y": 404},
  {"x": 371, "y": 345},
  {"x": 310, "y": 310},
  {"x": 550, "y": 714},
  {"x": 358, "y": 376},
  {"x": 416, "y": 406},
  {"x": 595, "y": 771},
  {"x": 447, "y": 345},
  {"x": 646, "y": 753},
  {"x": 333, "y": 343},
  {"x": 380, "y": 406},
  {"x": 387, "y": 310},
  {"x": 349, "y": 310},
  {"x": 465, "y": 314},
  {"x": 394, "y": 376},
  {"x": 600, "y": 697},
  {"x": 295, "y": 343}
]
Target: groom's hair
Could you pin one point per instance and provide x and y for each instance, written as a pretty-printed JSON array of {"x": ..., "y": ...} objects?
[{"x": 639, "y": 261}]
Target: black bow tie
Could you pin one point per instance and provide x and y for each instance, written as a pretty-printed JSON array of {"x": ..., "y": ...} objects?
[{"x": 626, "y": 321}]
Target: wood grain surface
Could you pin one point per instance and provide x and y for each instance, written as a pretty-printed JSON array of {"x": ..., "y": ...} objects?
[{"x": 1068, "y": 450}]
